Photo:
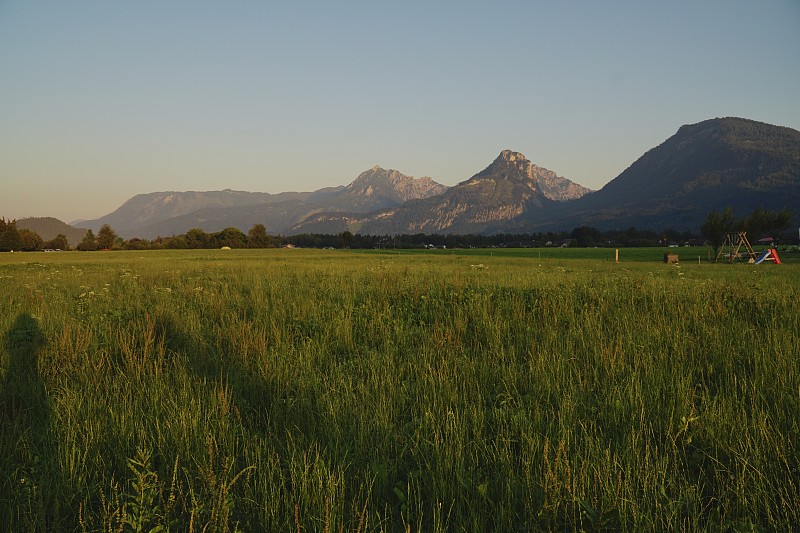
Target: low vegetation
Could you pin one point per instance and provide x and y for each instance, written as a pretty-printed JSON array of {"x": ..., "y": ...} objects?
[{"x": 339, "y": 390}]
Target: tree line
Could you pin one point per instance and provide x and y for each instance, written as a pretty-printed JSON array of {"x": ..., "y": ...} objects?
[
  {"x": 761, "y": 223},
  {"x": 717, "y": 224},
  {"x": 13, "y": 238}
]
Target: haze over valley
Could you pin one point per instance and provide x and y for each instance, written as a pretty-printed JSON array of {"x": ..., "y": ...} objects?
[{"x": 714, "y": 164}]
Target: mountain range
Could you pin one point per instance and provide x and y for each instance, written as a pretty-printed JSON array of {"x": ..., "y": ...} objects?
[
  {"x": 168, "y": 213},
  {"x": 509, "y": 189},
  {"x": 713, "y": 164}
]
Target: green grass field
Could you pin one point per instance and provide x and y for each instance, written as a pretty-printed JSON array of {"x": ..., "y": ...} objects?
[
  {"x": 626, "y": 255},
  {"x": 463, "y": 390}
]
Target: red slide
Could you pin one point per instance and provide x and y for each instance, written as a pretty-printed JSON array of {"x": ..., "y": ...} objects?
[{"x": 775, "y": 257}]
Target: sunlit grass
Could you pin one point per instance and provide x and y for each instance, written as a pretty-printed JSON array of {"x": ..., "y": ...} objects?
[{"x": 287, "y": 389}]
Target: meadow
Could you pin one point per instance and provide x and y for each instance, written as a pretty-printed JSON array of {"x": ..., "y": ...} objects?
[{"x": 302, "y": 390}]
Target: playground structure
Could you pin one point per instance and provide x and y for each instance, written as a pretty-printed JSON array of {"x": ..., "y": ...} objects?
[
  {"x": 769, "y": 255},
  {"x": 736, "y": 246},
  {"x": 732, "y": 244}
]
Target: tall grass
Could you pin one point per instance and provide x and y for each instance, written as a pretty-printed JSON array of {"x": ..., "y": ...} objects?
[{"x": 299, "y": 390}]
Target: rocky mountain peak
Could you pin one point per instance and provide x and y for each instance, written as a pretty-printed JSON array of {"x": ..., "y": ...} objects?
[
  {"x": 509, "y": 156},
  {"x": 514, "y": 166},
  {"x": 389, "y": 187}
]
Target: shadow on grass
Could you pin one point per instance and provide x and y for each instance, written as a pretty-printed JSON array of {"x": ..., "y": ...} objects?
[
  {"x": 29, "y": 471},
  {"x": 213, "y": 364},
  {"x": 281, "y": 413}
]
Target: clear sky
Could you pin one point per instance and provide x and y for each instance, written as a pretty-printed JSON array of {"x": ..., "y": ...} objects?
[{"x": 102, "y": 100}]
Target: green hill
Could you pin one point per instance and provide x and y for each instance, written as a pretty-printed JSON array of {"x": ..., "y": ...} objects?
[{"x": 49, "y": 227}]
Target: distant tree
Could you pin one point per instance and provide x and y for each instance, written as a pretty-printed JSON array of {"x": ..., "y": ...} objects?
[
  {"x": 158, "y": 243},
  {"x": 31, "y": 241},
  {"x": 106, "y": 237},
  {"x": 136, "y": 244},
  {"x": 232, "y": 237},
  {"x": 58, "y": 243},
  {"x": 345, "y": 239},
  {"x": 89, "y": 243},
  {"x": 767, "y": 223},
  {"x": 586, "y": 236},
  {"x": 177, "y": 242},
  {"x": 197, "y": 238},
  {"x": 10, "y": 239},
  {"x": 717, "y": 225},
  {"x": 257, "y": 237}
]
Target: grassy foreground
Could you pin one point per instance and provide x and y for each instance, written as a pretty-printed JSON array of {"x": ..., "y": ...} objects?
[{"x": 324, "y": 390}]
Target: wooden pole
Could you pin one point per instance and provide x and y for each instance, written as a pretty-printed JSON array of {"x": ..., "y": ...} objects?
[{"x": 616, "y": 255}]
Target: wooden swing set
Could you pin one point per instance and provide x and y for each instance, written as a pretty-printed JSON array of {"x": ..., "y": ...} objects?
[{"x": 731, "y": 246}]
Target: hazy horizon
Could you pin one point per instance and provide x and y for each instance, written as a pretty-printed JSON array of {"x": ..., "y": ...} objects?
[{"x": 102, "y": 101}]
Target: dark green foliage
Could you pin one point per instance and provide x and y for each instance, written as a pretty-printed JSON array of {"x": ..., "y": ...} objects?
[
  {"x": 31, "y": 241},
  {"x": 10, "y": 238},
  {"x": 197, "y": 238},
  {"x": 717, "y": 225},
  {"x": 106, "y": 237},
  {"x": 759, "y": 223},
  {"x": 586, "y": 236},
  {"x": 136, "y": 244},
  {"x": 345, "y": 239},
  {"x": 630, "y": 237},
  {"x": 767, "y": 223},
  {"x": 89, "y": 242},
  {"x": 232, "y": 237},
  {"x": 59, "y": 242},
  {"x": 257, "y": 237}
]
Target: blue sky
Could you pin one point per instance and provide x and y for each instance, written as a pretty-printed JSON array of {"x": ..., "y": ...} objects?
[{"x": 102, "y": 100}]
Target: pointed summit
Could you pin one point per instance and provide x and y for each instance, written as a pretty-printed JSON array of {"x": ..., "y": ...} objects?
[
  {"x": 514, "y": 166},
  {"x": 394, "y": 185},
  {"x": 504, "y": 195},
  {"x": 379, "y": 188},
  {"x": 509, "y": 155}
]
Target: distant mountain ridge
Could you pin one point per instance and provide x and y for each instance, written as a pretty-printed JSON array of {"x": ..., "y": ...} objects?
[
  {"x": 171, "y": 212},
  {"x": 147, "y": 209},
  {"x": 713, "y": 164},
  {"x": 505, "y": 190},
  {"x": 378, "y": 188}
]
